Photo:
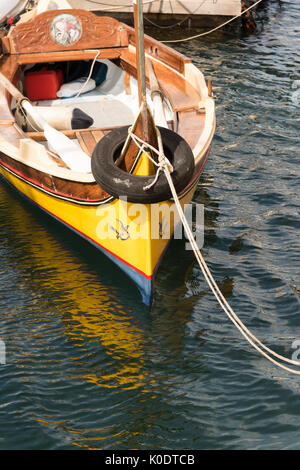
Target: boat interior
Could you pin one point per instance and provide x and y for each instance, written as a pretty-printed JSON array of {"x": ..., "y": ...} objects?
[
  {"x": 84, "y": 110},
  {"x": 99, "y": 91}
]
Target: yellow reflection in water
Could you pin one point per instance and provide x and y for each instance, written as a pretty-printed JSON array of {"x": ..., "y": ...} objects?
[
  {"x": 91, "y": 309},
  {"x": 91, "y": 313}
]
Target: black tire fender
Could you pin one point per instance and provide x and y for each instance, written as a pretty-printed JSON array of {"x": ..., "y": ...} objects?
[{"x": 119, "y": 183}]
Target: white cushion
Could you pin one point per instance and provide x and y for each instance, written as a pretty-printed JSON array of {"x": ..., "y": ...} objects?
[
  {"x": 59, "y": 117},
  {"x": 67, "y": 90}
]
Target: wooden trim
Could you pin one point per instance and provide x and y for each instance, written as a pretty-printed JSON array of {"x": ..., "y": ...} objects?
[
  {"x": 181, "y": 94},
  {"x": 110, "y": 53},
  {"x": 35, "y": 36},
  {"x": 158, "y": 50},
  {"x": 87, "y": 141},
  {"x": 83, "y": 192},
  {"x": 127, "y": 83},
  {"x": 39, "y": 136},
  {"x": 7, "y": 122},
  {"x": 5, "y": 45}
]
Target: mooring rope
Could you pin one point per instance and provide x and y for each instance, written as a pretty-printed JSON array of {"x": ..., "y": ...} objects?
[
  {"x": 87, "y": 78},
  {"x": 179, "y": 23},
  {"x": 117, "y": 7},
  {"x": 164, "y": 165}
]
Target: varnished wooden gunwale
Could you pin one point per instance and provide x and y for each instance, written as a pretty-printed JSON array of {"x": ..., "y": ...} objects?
[
  {"x": 71, "y": 191},
  {"x": 34, "y": 35},
  {"x": 66, "y": 189}
]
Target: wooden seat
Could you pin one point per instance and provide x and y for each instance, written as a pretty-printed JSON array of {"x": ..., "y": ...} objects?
[
  {"x": 87, "y": 138},
  {"x": 181, "y": 94}
]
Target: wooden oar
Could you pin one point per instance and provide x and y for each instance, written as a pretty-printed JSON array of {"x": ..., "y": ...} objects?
[{"x": 67, "y": 149}]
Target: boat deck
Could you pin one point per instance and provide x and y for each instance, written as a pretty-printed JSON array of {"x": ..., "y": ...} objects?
[{"x": 87, "y": 138}]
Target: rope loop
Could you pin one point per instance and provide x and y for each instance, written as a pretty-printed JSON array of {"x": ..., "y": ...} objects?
[{"x": 163, "y": 161}]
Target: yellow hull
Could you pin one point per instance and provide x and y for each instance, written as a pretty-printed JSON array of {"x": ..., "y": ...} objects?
[{"x": 134, "y": 236}]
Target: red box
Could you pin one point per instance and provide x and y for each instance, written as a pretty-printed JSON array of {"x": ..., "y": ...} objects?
[{"x": 44, "y": 84}]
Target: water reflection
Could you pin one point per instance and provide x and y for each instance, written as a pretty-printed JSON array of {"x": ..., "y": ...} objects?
[
  {"x": 94, "y": 311},
  {"x": 107, "y": 344},
  {"x": 88, "y": 365}
]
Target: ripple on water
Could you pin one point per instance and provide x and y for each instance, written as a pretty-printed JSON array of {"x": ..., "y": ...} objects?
[{"x": 88, "y": 366}]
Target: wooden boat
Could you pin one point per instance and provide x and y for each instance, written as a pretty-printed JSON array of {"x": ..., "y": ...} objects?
[{"x": 114, "y": 216}]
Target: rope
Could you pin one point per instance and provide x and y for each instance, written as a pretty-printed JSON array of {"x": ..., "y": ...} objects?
[
  {"x": 179, "y": 22},
  {"x": 165, "y": 166},
  {"x": 214, "y": 29},
  {"x": 87, "y": 79},
  {"x": 119, "y": 7}
]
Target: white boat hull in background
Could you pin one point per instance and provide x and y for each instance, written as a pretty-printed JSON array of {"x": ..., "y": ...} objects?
[{"x": 10, "y": 8}]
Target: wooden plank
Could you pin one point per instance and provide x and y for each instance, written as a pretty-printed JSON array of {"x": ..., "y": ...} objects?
[
  {"x": 45, "y": 57},
  {"x": 131, "y": 150},
  {"x": 127, "y": 83},
  {"x": 40, "y": 136},
  {"x": 80, "y": 190},
  {"x": 191, "y": 125},
  {"x": 8, "y": 67},
  {"x": 98, "y": 134},
  {"x": 181, "y": 94},
  {"x": 160, "y": 51},
  {"x": 87, "y": 141}
]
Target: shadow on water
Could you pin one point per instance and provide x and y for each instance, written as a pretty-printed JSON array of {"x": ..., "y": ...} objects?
[{"x": 259, "y": 18}]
